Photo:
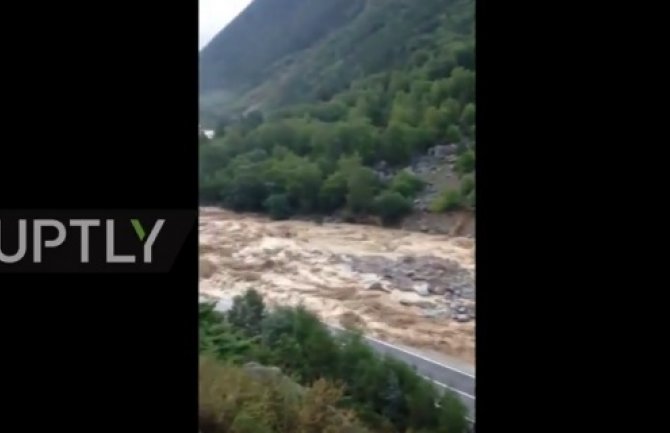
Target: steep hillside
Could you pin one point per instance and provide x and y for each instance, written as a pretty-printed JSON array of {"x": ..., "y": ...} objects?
[
  {"x": 242, "y": 55},
  {"x": 334, "y": 105},
  {"x": 299, "y": 50}
]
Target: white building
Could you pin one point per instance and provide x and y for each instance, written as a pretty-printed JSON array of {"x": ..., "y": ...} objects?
[{"x": 209, "y": 133}]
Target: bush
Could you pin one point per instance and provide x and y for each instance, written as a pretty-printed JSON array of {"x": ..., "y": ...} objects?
[
  {"x": 333, "y": 193},
  {"x": 453, "y": 134},
  {"x": 465, "y": 162},
  {"x": 278, "y": 206},
  {"x": 246, "y": 192},
  {"x": 406, "y": 184},
  {"x": 231, "y": 400},
  {"x": 470, "y": 200},
  {"x": 391, "y": 206},
  {"x": 452, "y": 413},
  {"x": 450, "y": 199},
  {"x": 468, "y": 115},
  {"x": 247, "y": 312},
  {"x": 386, "y": 394},
  {"x": 362, "y": 186},
  {"x": 467, "y": 185}
]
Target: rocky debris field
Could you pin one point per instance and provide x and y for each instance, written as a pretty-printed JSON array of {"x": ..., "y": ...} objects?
[
  {"x": 425, "y": 276},
  {"x": 435, "y": 168},
  {"x": 411, "y": 288}
]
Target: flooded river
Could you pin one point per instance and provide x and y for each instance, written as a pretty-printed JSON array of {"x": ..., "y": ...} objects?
[{"x": 410, "y": 288}]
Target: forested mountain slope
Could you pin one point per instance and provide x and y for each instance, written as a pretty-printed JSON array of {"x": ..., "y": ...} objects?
[
  {"x": 268, "y": 30},
  {"x": 286, "y": 51},
  {"x": 309, "y": 96}
]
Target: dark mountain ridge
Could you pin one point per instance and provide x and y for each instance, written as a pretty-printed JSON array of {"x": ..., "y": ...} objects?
[{"x": 240, "y": 56}]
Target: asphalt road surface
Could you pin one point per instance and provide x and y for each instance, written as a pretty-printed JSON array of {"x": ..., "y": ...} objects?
[{"x": 443, "y": 375}]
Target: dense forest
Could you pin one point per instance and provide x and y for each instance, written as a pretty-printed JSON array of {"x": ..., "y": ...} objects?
[
  {"x": 311, "y": 111},
  {"x": 284, "y": 371}
]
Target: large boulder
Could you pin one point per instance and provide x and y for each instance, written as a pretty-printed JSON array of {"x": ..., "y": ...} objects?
[
  {"x": 421, "y": 288},
  {"x": 272, "y": 374}
]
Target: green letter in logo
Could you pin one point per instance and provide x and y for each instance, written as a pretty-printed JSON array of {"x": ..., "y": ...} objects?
[
  {"x": 138, "y": 229},
  {"x": 150, "y": 240}
]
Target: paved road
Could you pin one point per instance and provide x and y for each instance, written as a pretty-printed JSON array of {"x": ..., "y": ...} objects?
[{"x": 443, "y": 375}]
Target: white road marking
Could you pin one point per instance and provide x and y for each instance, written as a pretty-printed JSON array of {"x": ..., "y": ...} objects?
[
  {"x": 416, "y": 355},
  {"x": 465, "y": 394}
]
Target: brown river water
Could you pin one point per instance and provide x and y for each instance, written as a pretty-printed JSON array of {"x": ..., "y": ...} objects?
[{"x": 404, "y": 287}]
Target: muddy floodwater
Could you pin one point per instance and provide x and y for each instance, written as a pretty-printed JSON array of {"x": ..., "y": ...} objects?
[{"x": 410, "y": 288}]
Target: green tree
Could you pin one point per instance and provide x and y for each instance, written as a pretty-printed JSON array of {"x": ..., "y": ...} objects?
[
  {"x": 421, "y": 405},
  {"x": 453, "y": 134},
  {"x": 333, "y": 194},
  {"x": 320, "y": 353},
  {"x": 325, "y": 141},
  {"x": 393, "y": 401},
  {"x": 451, "y": 415},
  {"x": 330, "y": 111},
  {"x": 468, "y": 115},
  {"x": 360, "y": 137},
  {"x": 440, "y": 67},
  {"x": 451, "y": 110},
  {"x": 362, "y": 186},
  {"x": 213, "y": 156},
  {"x": 406, "y": 184},
  {"x": 395, "y": 147},
  {"x": 251, "y": 120},
  {"x": 465, "y": 162},
  {"x": 465, "y": 56},
  {"x": 245, "y": 422},
  {"x": 278, "y": 206},
  {"x": 298, "y": 178},
  {"x": 462, "y": 85},
  {"x": 221, "y": 126},
  {"x": 391, "y": 206},
  {"x": 405, "y": 109},
  {"x": 247, "y": 312},
  {"x": 246, "y": 192},
  {"x": 218, "y": 338},
  {"x": 303, "y": 186},
  {"x": 435, "y": 120},
  {"x": 347, "y": 164}
]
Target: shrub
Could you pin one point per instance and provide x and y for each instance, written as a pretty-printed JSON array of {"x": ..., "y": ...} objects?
[
  {"x": 391, "y": 206},
  {"x": 278, "y": 206},
  {"x": 453, "y": 134},
  {"x": 467, "y": 185},
  {"x": 465, "y": 162},
  {"x": 406, "y": 184},
  {"x": 362, "y": 185},
  {"x": 450, "y": 199},
  {"x": 333, "y": 193},
  {"x": 247, "y": 312},
  {"x": 468, "y": 115},
  {"x": 386, "y": 394},
  {"x": 231, "y": 400}
]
